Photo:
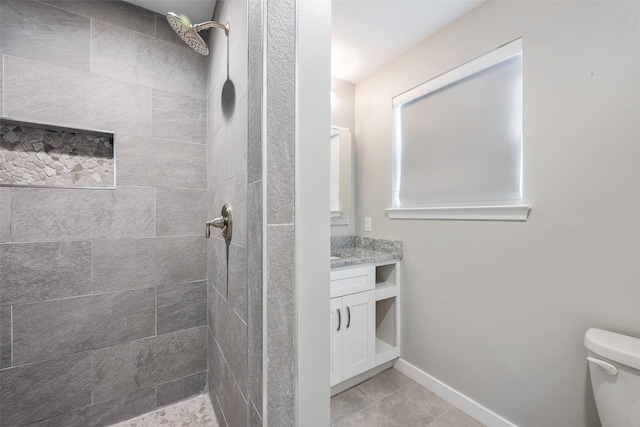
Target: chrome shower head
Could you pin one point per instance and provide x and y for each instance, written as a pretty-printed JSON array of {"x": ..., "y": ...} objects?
[{"x": 189, "y": 33}]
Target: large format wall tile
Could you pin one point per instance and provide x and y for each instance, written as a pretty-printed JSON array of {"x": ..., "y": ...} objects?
[
  {"x": 229, "y": 146},
  {"x": 182, "y": 306},
  {"x": 5, "y": 206},
  {"x": 160, "y": 163},
  {"x": 180, "y": 212},
  {"x": 177, "y": 116},
  {"x": 39, "y": 391},
  {"x": 255, "y": 419},
  {"x": 234, "y": 192},
  {"x": 254, "y": 90},
  {"x": 105, "y": 413},
  {"x": 43, "y": 214},
  {"x": 39, "y": 271},
  {"x": 227, "y": 272},
  {"x": 236, "y": 143},
  {"x": 231, "y": 334},
  {"x": 237, "y": 297},
  {"x": 5, "y": 336},
  {"x": 74, "y": 98},
  {"x": 224, "y": 389},
  {"x": 142, "y": 263},
  {"x": 236, "y": 13},
  {"x": 114, "y": 12},
  {"x": 50, "y": 329},
  {"x": 61, "y": 38},
  {"x": 145, "y": 363},
  {"x": 281, "y": 324},
  {"x": 216, "y": 158},
  {"x": 181, "y": 389},
  {"x": 133, "y": 57},
  {"x": 281, "y": 123},
  {"x": 217, "y": 264},
  {"x": 215, "y": 366},
  {"x": 254, "y": 267},
  {"x": 1, "y": 85}
]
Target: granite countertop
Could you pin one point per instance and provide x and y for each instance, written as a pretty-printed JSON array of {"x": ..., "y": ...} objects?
[{"x": 356, "y": 250}]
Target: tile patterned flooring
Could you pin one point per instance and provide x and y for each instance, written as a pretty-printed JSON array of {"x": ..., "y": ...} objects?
[
  {"x": 389, "y": 399},
  {"x": 195, "y": 412},
  {"x": 392, "y": 399}
]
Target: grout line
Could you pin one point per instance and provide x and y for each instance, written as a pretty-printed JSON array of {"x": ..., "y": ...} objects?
[
  {"x": 92, "y": 375},
  {"x": 11, "y": 313},
  {"x": 90, "y": 45},
  {"x": 155, "y": 289},
  {"x": 91, "y": 277},
  {"x": 92, "y": 350},
  {"x": 155, "y": 211},
  {"x": 222, "y": 412},
  {"x": 3, "y": 79},
  {"x": 151, "y": 112}
]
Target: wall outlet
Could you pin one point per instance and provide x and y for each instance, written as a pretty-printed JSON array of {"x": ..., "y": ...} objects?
[{"x": 367, "y": 223}]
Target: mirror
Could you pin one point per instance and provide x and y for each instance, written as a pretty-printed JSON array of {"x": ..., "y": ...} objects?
[{"x": 341, "y": 176}]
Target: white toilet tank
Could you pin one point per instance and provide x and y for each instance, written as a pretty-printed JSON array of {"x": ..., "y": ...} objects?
[{"x": 614, "y": 364}]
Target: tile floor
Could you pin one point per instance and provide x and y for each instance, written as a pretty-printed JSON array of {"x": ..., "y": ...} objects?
[
  {"x": 392, "y": 399},
  {"x": 195, "y": 412}
]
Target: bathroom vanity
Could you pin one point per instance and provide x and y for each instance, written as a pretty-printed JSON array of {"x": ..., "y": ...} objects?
[{"x": 365, "y": 308}]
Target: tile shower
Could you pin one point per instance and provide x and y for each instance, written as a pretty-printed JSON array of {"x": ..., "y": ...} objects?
[
  {"x": 112, "y": 303},
  {"x": 103, "y": 292}
]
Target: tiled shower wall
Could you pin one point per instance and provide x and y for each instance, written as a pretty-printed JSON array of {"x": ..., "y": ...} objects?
[
  {"x": 235, "y": 177},
  {"x": 103, "y": 292}
]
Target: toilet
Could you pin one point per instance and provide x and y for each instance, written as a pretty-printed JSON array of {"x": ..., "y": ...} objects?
[{"x": 614, "y": 364}]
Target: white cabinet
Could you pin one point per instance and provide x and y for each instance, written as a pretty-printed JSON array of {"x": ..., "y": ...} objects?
[
  {"x": 365, "y": 327},
  {"x": 353, "y": 343}
]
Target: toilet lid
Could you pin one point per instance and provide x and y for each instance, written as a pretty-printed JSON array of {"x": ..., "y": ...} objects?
[{"x": 615, "y": 347}]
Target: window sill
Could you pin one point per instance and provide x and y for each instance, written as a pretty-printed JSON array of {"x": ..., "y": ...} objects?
[{"x": 464, "y": 213}]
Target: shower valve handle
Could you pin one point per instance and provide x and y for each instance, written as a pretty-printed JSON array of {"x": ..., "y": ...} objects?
[{"x": 224, "y": 222}]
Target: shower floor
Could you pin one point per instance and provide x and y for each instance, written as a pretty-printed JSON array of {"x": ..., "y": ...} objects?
[{"x": 195, "y": 412}]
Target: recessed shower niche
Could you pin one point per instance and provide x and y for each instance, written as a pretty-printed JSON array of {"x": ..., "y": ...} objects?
[{"x": 42, "y": 155}]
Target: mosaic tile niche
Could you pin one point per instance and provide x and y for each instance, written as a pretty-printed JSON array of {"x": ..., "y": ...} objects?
[{"x": 34, "y": 154}]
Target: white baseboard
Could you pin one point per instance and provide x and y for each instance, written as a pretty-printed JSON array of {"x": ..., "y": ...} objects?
[{"x": 459, "y": 400}]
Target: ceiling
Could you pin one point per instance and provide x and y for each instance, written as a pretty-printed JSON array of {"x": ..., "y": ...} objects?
[
  {"x": 367, "y": 34},
  {"x": 197, "y": 10}
]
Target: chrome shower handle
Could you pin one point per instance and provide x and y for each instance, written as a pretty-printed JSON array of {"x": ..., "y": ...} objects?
[{"x": 224, "y": 222}]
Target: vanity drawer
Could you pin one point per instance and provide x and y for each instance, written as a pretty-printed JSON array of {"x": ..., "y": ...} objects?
[{"x": 352, "y": 280}]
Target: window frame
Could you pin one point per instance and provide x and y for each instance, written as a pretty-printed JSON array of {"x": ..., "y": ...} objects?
[{"x": 496, "y": 211}]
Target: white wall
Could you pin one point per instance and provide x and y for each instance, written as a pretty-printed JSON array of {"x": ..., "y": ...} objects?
[
  {"x": 313, "y": 64},
  {"x": 498, "y": 310}
]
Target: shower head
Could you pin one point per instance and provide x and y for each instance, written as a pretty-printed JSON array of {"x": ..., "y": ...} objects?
[{"x": 189, "y": 33}]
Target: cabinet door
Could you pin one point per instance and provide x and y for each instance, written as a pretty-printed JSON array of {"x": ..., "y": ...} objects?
[
  {"x": 358, "y": 333},
  {"x": 337, "y": 326}
]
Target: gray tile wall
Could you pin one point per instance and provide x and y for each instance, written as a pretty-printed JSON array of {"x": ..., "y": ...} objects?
[
  {"x": 280, "y": 190},
  {"x": 235, "y": 176},
  {"x": 104, "y": 290}
]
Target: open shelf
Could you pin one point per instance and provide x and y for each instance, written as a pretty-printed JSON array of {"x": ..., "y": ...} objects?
[
  {"x": 385, "y": 290},
  {"x": 387, "y": 342},
  {"x": 386, "y": 281},
  {"x": 385, "y": 351}
]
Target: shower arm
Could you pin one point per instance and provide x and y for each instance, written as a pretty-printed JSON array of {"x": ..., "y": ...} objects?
[{"x": 211, "y": 24}]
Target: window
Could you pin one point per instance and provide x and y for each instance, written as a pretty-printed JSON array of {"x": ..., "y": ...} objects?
[{"x": 457, "y": 143}]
